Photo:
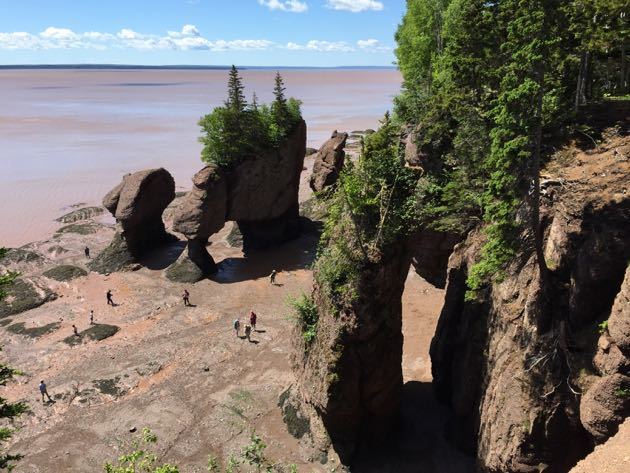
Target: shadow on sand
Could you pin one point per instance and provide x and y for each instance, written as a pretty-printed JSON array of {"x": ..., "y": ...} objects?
[
  {"x": 293, "y": 255},
  {"x": 418, "y": 445},
  {"x": 162, "y": 257}
]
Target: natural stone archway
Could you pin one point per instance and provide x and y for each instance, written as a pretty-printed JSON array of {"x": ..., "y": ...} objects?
[
  {"x": 510, "y": 362},
  {"x": 137, "y": 203},
  {"x": 260, "y": 194}
]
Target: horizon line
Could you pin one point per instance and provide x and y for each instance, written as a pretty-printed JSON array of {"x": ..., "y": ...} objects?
[{"x": 176, "y": 66}]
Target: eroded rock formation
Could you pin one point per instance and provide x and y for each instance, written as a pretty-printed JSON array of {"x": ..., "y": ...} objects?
[
  {"x": 260, "y": 194},
  {"x": 328, "y": 162},
  {"x": 137, "y": 203},
  {"x": 350, "y": 378},
  {"x": 513, "y": 364}
]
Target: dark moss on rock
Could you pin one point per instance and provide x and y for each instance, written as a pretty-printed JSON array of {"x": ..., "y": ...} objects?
[
  {"x": 33, "y": 332},
  {"x": 113, "y": 258},
  {"x": 184, "y": 270},
  {"x": 81, "y": 214},
  {"x": 20, "y": 255},
  {"x": 65, "y": 272},
  {"x": 80, "y": 228},
  {"x": 235, "y": 237},
  {"x": 297, "y": 425},
  {"x": 24, "y": 295},
  {"x": 95, "y": 332},
  {"x": 109, "y": 386}
]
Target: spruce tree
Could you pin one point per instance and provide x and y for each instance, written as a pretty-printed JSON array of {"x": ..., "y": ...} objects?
[
  {"x": 236, "y": 95},
  {"x": 8, "y": 410},
  {"x": 279, "y": 105}
]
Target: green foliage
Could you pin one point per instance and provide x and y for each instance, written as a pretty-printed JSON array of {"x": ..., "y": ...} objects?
[
  {"x": 5, "y": 279},
  {"x": 621, "y": 392},
  {"x": 238, "y": 130},
  {"x": 483, "y": 83},
  {"x": 307, "y": 316},
  {"x": 8, "y": 410},
  {"x": 141, "y": 458},
  {"x": 373, "y": 205},
  {"x": 603, "y": 327}
]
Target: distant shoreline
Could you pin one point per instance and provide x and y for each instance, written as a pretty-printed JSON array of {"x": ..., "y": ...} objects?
[{"x": 181, "y": 67}]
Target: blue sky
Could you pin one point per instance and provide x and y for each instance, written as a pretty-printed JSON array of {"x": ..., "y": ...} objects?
[{"x": 204, "y": 32}]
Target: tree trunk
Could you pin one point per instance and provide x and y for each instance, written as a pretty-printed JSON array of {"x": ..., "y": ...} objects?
[
  {"x": 580, "y": 82},
  {"x": 535, "y": 196},
  {"x": 622, "y": 69}
]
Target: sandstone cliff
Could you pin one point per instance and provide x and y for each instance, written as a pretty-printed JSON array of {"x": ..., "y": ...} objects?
[{"x": 516, "y": 365}]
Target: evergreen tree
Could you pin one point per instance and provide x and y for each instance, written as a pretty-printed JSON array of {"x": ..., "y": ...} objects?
[
  {"x": 236, "y": 95},
  {"x": 279, "y": 105},
  {"x": 8, "y": 410}
]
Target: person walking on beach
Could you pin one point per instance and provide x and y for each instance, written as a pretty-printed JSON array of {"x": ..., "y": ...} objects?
[
  {"x": 237, "y": 326},
  {"x": 87, "y": 252},
  {"x": 186, "y": 297},
  {"x": 74, "y": 329},
  {"x": 91, "y": 317},
  {"x": 248, "y": 332},
  {"x": 252, "y": 319},
  {"x": 44, "y": 391},
  {"x": 109, "y": 297},
  {"x": 272, "y": 277}
]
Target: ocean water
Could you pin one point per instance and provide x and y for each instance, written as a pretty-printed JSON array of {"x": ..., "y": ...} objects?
[{"x": 68, "y": 136}]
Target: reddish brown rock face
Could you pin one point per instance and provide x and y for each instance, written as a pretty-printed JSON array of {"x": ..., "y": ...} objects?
[
  {"x": 328, "y": 162},
  {"x": 260, "y": 194},
  {"x": 137, "y": 203}
]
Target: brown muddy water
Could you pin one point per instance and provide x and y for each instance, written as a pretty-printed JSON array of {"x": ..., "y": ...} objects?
[{"x": 67, "y": 136}]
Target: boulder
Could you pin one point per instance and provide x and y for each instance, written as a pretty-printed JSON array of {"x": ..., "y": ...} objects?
[
  {"x": 619, "y": 320},
  {"x": 328, "y": 162},
  {"x": 204, "y": 209},
  {"x": 605, "y": 405},
  {"x": 137, "y": 203}
]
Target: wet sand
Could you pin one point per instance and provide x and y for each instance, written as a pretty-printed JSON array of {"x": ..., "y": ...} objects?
[{"x": 67, "y": 136}]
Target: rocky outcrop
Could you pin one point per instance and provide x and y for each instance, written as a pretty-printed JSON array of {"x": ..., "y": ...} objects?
[
  {"x": 605, "y": 405},
  {"x": 137, "y": 203},
  {"x": 350, "y": 378},
  {"x": 508, "y": 362},
  {"x": 328, "y": 162},
  {"x": 431, "y": 250},
  {"x": 260, "y": 194}
]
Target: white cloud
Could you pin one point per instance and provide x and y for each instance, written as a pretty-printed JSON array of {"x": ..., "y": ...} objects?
[
  {"x": 294, "y": 6},
  {"x": 354, "y": 6},
  {"x": 60, "y": 34},
  {"x": 188, "y": 38},
  {"x": 372, "y": 45},
  {"x": 126, "y": 33},
  {"x": 190, "y": 30},
  {"x": 321, "y": 46},
  {"x": 19, "y": 40}
]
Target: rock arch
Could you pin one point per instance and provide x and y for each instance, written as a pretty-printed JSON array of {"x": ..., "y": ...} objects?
[{"x": 260, "y": 194}]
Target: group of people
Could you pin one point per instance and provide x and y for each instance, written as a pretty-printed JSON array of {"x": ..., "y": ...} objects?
[
  {"x": 248, "y": 326},
  {"x": 186, "y": 298}
]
